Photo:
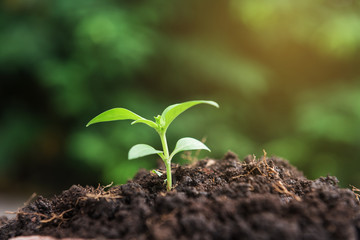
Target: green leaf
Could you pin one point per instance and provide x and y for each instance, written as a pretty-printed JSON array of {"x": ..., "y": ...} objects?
[
  {"x": 157, "y": 173},
  {"x": 117, "y": 114},
  {"x": 147, "y": 122},
  {"x": 141, "y": 150},
  {"x": 171, "y": 112},
  {"x": 187, "y": 144}
]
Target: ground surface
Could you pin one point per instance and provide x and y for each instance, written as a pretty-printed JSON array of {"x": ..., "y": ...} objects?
[
  {"x": 226, "y": 199},
  {"x": 11, "y": 202}
]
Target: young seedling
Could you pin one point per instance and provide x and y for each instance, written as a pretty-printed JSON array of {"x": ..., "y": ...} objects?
[{"x": 160, "y": 124}]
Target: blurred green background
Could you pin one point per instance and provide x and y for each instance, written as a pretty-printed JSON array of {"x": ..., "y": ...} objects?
[{"x": 285, "y": 73}]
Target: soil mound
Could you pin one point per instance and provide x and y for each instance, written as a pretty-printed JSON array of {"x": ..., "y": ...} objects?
[{"x": 264, "y": 198}]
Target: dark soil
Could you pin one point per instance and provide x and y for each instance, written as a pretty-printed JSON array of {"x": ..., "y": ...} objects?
[{"x": 226, "y": 199}]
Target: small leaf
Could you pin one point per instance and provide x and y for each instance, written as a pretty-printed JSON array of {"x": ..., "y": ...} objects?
[
  {"x": 171, "y": 112},
  {"x": 141, "y": 150},
  {"x": 117, "y": 114},
  {"x": 157, "y": 172},
  {"x": 147, "y": 122},
  {"x": 187, "y": 144}
]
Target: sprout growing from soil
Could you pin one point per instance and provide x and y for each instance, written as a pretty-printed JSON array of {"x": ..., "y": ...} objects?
[{"x": 161, "y": 124}]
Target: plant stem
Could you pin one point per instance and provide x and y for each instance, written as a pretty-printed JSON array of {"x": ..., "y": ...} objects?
[
  {"x": 167, "y": 160},
  {"x": 164, "y": 145},
  {"x": 168, "y": 175}
]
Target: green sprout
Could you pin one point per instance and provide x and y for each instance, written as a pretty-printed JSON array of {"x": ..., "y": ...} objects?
[{"x": 161, "y": 124}]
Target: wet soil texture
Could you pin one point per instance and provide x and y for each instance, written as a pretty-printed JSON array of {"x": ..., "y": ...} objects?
[{"x": 264, "y": 198}]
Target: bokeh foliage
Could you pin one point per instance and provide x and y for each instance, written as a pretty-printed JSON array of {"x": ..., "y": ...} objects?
[{"x": 285, "y": 73}]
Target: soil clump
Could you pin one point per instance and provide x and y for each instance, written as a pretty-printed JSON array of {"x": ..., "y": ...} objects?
[{"x": 263, "y": 198}]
